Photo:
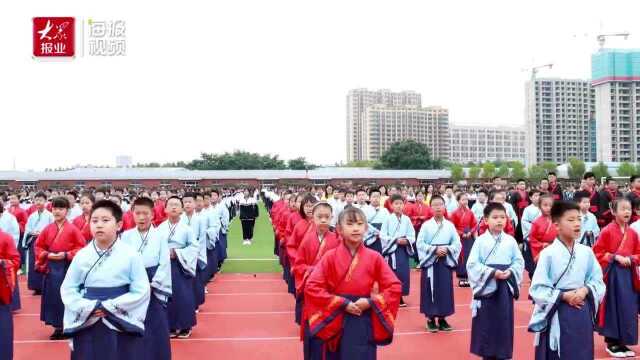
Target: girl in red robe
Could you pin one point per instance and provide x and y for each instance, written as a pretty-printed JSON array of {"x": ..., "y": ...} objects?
[
  {"x": 543, "y": 231},
  {"x": 317, "y": 241},
  {"x": 298, "y": 233},
  {"x": 9, "y": 265},
  {"x": 276, "y": 208},
  {"x": 291, "y": 221},
  {"x": 618, "y": 252},
  {"x": 281, "y": 225},
  {"x": 466, "y": 224},
  {"x": 82, "y": 221},
  {"x": 56, "y": 246},
  {"x": 348, "y": 314}
]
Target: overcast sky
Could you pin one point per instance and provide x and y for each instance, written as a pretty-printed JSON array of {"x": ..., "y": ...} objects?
[{"x": 272, "y": 76}]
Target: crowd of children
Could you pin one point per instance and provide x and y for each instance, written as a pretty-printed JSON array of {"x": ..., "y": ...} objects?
[
  {"x": 118, "y": 278},
  {"x": 580, "y": 249},
  {"x": 120, "y": 274}
]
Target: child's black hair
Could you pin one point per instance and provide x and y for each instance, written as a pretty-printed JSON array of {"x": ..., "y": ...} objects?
[
  {"x": 60, "y": 202},
  {"x": 579, "y": 195},
  {"x": 493, "y": 206},
  {"x": 436, "y": 197},
  {"x": 88, "y": 195},
  {"x": 615, "y": 203},
  {"x": 306, "y": 199},
  {"x": 396, "y": 197},
  {"x": 173, "y": 197},
  {"x": 561, "y": 207},
  {"x": 190, "y": 194},
  {"x": 41, "y": 195},
  {"x": 352, "y": 214},
  {"x": 143, "y": 201},
  {"x": 115, "y": 210}
]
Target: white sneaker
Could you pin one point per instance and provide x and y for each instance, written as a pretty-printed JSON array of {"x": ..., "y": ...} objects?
[
  {"x": 629, "y": 352},
  {"x": 616, "y": 352}
]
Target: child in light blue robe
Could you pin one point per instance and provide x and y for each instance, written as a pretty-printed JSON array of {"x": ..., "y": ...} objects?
[
  {"x": 184, "y": 245},
  {"x": 567, "y": 272},
  {"x": 115, "y": 282},
  {"x": 106, "y": 293},
  {"x": 223, "y": 212},
  {"x": 376, "y": 218},
  {"x": 397, "y": 228},
  {"x": 530, "y": 214},
  {"x": 492, "y": 305},
  {"x": 196, "y": 223},
  {"x": 436, "y": 284},
  {"x": 589, "y": 229},
  {"x": 36, "y": 222},
  {"x": 155, "y": 256},
  {"x": 9, "y": 224},
  {"x": 211, "y": 226}
]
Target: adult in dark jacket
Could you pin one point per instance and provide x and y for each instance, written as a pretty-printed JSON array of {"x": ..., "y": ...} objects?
[{"x": 248, "y": 215}]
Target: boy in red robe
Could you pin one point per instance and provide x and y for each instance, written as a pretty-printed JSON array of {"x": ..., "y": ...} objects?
[
  {"x": 618, "y": 252},
  {"x": 543, "y": 231},
  {"x": 9, "y": 265},
  {"x": 554, "y": 188},
  {"x": 56, "y": 246},
  {"x": 605, "y": 199},
  {"x": 589, "y": 185},
  {"x": 159, "y": 215},
  {"x": 348, "y": 314}
]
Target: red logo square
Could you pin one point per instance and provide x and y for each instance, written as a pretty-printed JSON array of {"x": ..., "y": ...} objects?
[{"x": 53, "y": 36}]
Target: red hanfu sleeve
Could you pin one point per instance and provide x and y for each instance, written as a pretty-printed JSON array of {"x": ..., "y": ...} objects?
[
  {"x": 385, "y": 303},
  {"x": 10, "y": 261},
  {"x": 326, "y": 310}
]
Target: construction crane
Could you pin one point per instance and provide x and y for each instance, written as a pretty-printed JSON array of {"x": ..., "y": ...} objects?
[
  {"x": 534, "y": 70},
  {"x": 602, "y": 37}
]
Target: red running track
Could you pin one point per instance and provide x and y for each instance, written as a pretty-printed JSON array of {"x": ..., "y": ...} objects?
[{"x": 250, "y": 317}]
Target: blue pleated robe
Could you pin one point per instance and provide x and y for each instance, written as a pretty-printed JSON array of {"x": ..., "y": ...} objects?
[
  {"x": 436, "y": 284},
  {"x": 492, "y": 304}
]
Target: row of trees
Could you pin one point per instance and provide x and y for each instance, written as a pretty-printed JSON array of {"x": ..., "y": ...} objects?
[
  {"x": 237, "y": 160},
  {"x": 516, "y": 170},
  {"x": 407, "y": 154}
]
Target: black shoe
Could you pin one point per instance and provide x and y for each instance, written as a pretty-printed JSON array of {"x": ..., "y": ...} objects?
[
  {"x": 37, "y": 292},
  {"x": 57, "y": 335},
  {"x": 431, "y": 326},
  {"x": 402, "y": 303},
  {"x": 184, "y": 334},
  {"x": 616, "y": 351},
  {"x": 443, "y": 325}
]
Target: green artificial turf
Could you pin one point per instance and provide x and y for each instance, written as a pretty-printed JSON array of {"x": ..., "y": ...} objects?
[{"x": 259, "y": 255}]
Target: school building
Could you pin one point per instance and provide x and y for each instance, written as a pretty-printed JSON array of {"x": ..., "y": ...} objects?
[{"x": 172, "y": 178}]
